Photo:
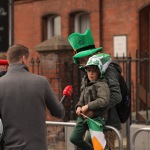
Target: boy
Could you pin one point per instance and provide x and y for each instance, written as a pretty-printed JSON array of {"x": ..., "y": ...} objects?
[{"x": 95, "y": 95}]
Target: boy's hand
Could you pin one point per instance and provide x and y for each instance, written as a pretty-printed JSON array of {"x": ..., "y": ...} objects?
[
  {"x": 89, "y": 113},
  {"x": 79, "y": 111}
]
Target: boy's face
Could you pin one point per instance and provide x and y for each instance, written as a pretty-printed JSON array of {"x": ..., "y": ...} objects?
[{"x": 93, "y": 73}]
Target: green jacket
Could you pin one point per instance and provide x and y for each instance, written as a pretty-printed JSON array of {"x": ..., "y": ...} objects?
[
  {"x": 96, "y": 94},
  {"x": 115, "y": 95}
]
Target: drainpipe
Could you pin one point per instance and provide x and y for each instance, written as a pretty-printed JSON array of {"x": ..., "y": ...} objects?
[
  {"x": 100, "y": 21},
  {"x": 11, "y": 22}
]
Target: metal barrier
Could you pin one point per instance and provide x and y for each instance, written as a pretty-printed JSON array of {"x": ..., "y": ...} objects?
[
  {"x": 72, "y": 124},
  {"x": 136, "y": 133}
]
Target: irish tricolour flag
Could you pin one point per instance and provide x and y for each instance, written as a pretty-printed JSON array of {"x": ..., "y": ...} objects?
[{"x": 97, "y": 135}]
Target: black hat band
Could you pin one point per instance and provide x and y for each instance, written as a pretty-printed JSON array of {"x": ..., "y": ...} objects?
[{"x": 85, "y": 48}]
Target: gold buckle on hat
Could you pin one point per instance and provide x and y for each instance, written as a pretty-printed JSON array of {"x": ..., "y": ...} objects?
[{"x": 75, "y": 51}]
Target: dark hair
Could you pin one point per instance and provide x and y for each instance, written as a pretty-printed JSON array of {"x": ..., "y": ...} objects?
[{"x": 15, "y": 53}]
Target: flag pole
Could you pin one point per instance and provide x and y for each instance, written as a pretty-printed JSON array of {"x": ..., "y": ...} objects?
[
  {"x": 85, "y": 116},
  {"x": 91, "y": 119}
]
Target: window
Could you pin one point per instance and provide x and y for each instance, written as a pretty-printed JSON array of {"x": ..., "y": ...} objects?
[
  {"x": 79, "y": 22},
  {"x": 4, "y": 26},
  {"x": 51, "y": 26}
]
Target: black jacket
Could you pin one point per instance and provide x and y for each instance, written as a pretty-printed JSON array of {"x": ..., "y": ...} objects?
[{"x": 115, "y": 95}]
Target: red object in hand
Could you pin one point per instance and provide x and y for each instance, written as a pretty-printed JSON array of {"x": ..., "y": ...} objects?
[
  {"x": 68, "y": 91},
  {"x": 3, "y": 62}
]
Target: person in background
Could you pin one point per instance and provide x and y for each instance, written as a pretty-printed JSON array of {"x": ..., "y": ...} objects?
[
  {"x": 23, "y": 102},
  {"x": 95, "y": 95},
  {"x": 83, "y": 45},
  {"x": 3, "y": 68}
]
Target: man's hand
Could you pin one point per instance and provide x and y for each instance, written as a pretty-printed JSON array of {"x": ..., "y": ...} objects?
[{"x": 84, "y": 109}]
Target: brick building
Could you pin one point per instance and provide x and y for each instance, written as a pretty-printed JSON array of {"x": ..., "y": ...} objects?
[
  {"x": 119, "y": 26},
  {"x": 105, "y": 18}
]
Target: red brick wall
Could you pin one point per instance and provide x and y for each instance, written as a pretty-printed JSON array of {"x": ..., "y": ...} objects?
[
  {"x": 122, "y": 17},
  {"x": 119, "y": 17},
  {"x": 28, "y": 25}
]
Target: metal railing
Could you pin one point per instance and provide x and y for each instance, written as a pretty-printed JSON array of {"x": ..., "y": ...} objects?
[
  {"x": 136, "y": 133},
  {"x": 72, "y": 124}
]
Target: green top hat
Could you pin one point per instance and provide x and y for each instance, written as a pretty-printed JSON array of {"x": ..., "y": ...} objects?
[{"x": 83, "y": 45}]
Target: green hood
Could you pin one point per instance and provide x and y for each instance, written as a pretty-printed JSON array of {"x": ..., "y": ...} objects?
[{"x": 101, "y": 60}]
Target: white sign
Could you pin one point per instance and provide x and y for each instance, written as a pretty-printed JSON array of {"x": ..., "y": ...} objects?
[{"x": 120, "y": 45}]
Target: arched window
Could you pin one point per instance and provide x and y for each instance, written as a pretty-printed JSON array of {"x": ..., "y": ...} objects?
[
  {"x": 79, "y": 22},
  {"x": 82, "y": 22},
  {"x": 51, "y": 26}
]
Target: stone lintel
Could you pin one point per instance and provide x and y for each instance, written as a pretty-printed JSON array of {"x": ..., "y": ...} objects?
[{"x": 55, "y": 43}]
